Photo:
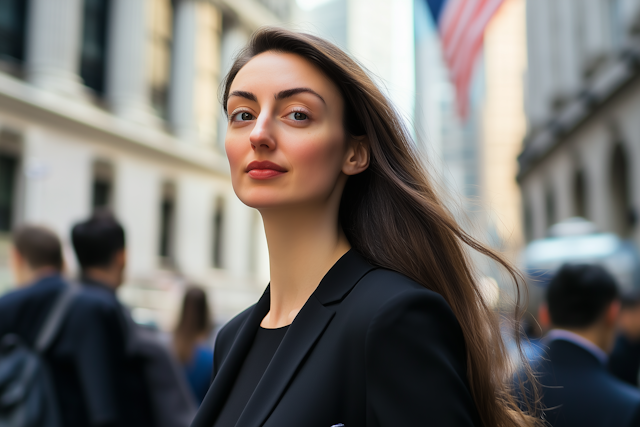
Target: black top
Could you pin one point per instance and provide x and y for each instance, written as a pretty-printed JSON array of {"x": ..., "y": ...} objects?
[
  {"x": 370, "y": 347},
  {"x": 264, "y": 347}
]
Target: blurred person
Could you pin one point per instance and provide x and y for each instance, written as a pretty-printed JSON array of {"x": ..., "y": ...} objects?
[
  {"x": 118, "y": 383},
  {"x": 582, "y": 306},
  {"x": 624, "y": 361},
  {"x": 373, "y": 315},
  {"x": 85, "y": 358},
  {"x": 29, "y": 326},
  {"x": 147, "y": 387},
  {"x": 190, "y": 338},
  {"x": 36, "y": 253}
]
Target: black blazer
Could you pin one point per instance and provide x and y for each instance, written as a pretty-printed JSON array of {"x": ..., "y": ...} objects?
[
  {"x": 96, "y": 382},
  {"x": 578, "y": 390},
  {"x": 369, "y": 348}
]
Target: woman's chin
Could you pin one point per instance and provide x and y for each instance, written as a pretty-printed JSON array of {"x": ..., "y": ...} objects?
[{"x": 263, "y": 201}]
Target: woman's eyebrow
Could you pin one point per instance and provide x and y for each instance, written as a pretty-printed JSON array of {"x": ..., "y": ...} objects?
[
  {"x": 290, "y": 92},
  {"x": 244, "y": 94}
]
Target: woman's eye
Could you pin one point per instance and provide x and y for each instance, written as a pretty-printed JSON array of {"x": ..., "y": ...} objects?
[
  {"x": 243, "y": 117},
  {"x": 297, "y": 116}
]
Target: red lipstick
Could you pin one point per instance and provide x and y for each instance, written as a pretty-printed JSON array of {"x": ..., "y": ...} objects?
[{"x": 264, "y": 170}]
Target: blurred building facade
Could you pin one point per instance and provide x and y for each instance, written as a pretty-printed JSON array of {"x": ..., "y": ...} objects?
[
  {"x": 504, "y": 124},
  {"x": 114, "y": 103},
  {"x": 581, "y": 155}
]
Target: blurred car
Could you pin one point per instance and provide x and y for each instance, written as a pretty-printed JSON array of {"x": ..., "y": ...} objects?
[{"x": 577, "y": 240}]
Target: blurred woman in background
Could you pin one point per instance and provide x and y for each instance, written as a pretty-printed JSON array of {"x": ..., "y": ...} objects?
[{"x": 189, "y": 338}]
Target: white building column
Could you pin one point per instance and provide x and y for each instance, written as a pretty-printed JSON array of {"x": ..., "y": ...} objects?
[
  {"x": 538, "y": 63},
  {"x": 562, "y": 176},
  {"x": 53, "y": 45},
  {"x": 194, "y": 226},
  {"x": 568, "y": 75},
  {"x": 597, "y": 160},
  {"x": 183, "y": 71},
  {"x": 534, "y": 192},
  {"x": 596, "y": 37},
  {"x": 126, "y": 77}
]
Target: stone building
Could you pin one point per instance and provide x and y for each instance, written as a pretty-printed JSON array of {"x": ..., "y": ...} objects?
[
  {"x": 581, "y": 155},
  {"x": 114, "y": 103}
]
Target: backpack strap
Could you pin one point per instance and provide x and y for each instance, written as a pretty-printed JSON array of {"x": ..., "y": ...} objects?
[{"x": 54, "y": 319}]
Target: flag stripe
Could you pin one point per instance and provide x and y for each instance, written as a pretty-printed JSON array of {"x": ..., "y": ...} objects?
[{"x": 461, "y": 26}]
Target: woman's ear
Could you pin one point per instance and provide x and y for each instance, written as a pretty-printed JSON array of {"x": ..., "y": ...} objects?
[{"x": 357, "y": 157}]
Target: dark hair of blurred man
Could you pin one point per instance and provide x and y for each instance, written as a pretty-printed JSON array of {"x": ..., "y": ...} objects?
[
  {"x": 583, "y": 306},
  {"x": 624, "y": 361},
  {"x": 99, "y": 244},
  {"x": 36, "y": 252}
]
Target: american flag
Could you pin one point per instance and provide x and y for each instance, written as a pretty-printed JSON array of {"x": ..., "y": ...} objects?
[{"x": 461, "y": 24}]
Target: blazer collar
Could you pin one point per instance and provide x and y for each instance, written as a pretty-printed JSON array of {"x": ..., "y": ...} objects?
[
  {"x": 568, "y": 353},
  {"x": 304, "y": 332},
  {"x": 342, "y": 277}
]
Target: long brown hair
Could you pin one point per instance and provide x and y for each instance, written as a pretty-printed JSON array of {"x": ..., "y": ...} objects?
[
  {"x": 392, "y": 215},
  {"x": 194, "y": 323}
]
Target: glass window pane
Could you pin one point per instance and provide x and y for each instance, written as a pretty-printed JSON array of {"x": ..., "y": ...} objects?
[
  {"x": 12, "y": 28},
  {"x": 7, "y": 185}
]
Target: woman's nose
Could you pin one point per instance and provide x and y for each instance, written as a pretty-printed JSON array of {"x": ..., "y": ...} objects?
[{"x": 261, "y": 135}]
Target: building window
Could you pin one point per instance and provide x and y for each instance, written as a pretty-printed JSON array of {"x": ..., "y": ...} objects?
[
  {"x": 12, "y": 31},
  {"x": 167, "y": 223},
  {"x": 528, "y": 220},
  {"x": 94, "y": 44},
  {"x": 622, "y": 213},
  {"x": 579, "y": 195},
  {"x": 550, "y": 208},
  {"x": 616, "y": 23},
  {"x": 218, "y": 227},
  {"x": 160, "y": 38},
  {"x": 8, "y": 166},
  {"x": 102, "y": 194}
]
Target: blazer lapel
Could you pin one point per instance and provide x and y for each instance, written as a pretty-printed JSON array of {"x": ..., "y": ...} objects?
[
  {"x": 304, "y": 332},
  {"x": 306, "y": 329},
  {"x": 228, "y": 371}
]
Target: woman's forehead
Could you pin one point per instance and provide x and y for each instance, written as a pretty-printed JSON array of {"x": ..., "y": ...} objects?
[{"x": 276, "y": 71}]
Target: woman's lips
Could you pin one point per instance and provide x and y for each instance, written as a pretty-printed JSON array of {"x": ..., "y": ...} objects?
[{"x": 264, "y": 170}]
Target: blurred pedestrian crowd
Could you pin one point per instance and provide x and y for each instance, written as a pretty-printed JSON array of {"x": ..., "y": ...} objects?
[{"x": 71, "y": 354}]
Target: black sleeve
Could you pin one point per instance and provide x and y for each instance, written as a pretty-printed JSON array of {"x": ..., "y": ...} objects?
[
  {"x": 98, "y": 347},
  {"x": 416, "y": 365}
]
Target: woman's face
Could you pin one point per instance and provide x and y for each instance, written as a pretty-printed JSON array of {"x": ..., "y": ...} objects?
[{"x": 285, "y": 139}]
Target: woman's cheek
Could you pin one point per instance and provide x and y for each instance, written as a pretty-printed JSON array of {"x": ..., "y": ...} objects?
[
  {"x": 320, "y": 161},
  {"x": 234, "y": 154}
]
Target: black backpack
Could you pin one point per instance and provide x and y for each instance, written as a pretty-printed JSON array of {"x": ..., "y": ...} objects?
[{"x": 27, "y": 397}]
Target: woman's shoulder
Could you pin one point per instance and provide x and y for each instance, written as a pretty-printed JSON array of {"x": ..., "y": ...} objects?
[{"x": 388, "y": 287}]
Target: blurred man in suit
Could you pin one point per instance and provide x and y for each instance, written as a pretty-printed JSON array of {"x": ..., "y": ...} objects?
[
  {"x": 147, "y": 382},
  {"x": 123, "y": 396},
  {"x": 624, "y": 362},
  {"x": 577, "y": 390},
  {"x": 87, "y": 360}
]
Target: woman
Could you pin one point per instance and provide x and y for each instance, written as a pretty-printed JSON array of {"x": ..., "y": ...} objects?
[
  {"x": 192, "y": 330},
  {"x": 373, "y": 316}
]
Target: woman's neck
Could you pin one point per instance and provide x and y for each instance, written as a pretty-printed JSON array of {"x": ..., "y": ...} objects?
[{"x": 304, "y": 243}]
